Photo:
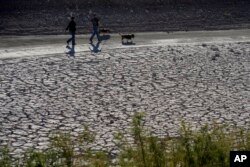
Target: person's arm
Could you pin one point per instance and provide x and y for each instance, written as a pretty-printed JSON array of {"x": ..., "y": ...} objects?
[
  {"x": 99, "y": 23},
  {"x": 90, "y": 24},
  {"x": 67, "y": 28}
]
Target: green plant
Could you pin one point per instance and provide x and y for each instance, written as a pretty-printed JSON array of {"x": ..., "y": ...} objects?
[
  {"x": 41, "y": 159},
  {"x": 207, "y": 147},
  {"x": 146, "y": 151},
  {"x": 5, "y": 158}
]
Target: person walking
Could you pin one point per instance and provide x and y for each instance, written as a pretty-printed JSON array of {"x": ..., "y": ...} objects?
[
  {"x": 95, "y": 23},
  {"x": 72, "y": 29}
]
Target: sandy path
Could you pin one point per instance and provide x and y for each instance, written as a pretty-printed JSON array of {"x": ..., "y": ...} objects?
[{"x": 22, "y": 46}]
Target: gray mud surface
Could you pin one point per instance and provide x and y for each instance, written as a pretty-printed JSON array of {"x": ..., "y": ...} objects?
[{"x": 197, "y": 83}]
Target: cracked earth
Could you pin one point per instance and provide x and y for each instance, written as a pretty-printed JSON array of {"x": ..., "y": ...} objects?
[{"x": 197, "y": 83}]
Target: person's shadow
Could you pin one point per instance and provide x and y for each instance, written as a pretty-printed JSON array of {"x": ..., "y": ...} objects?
[
  {"x": 95, "y": 48},
  {"x": 71, "y": 52}
]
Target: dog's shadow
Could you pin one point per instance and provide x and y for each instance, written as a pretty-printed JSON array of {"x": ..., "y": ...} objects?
[
  {"x": 128, "y": 43},
  {"x": 104, "y": 37}
]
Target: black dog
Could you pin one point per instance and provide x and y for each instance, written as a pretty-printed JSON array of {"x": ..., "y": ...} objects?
[{"x": 127, "y": 37}]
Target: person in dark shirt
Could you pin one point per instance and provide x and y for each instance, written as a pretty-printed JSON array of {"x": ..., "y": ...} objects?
[
  {"x": 72, "y": 29},
  {"x": 95, "y": 31}
]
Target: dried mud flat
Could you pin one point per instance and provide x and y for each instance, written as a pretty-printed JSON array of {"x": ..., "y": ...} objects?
[{"x": 195, "y": 83}]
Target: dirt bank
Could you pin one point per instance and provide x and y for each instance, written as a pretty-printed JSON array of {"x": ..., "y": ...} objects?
[{"x": 126, "y": 18}]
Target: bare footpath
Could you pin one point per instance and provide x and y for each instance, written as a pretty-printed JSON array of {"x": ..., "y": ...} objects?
[{"x": 198, "y": 77}]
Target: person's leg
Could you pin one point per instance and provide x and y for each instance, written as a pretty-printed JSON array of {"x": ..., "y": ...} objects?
[
  {"x": 98, "y": 37},
  {"x": 92, "y": 35},
  {"x": 97, "y": 34},
  {"x": 70, "y": 39},
  {"x": 73, "y": 38}
]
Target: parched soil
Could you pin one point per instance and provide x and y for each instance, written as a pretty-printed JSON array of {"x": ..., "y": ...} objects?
[
  {"x": 127, "y": 18},
  {"x": 199, "y": 84}
]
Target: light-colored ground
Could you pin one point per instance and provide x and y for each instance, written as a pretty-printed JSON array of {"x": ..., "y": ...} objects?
[
  {"x": 199, "y": 77},
  {"x": 23, "y": 46}
]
